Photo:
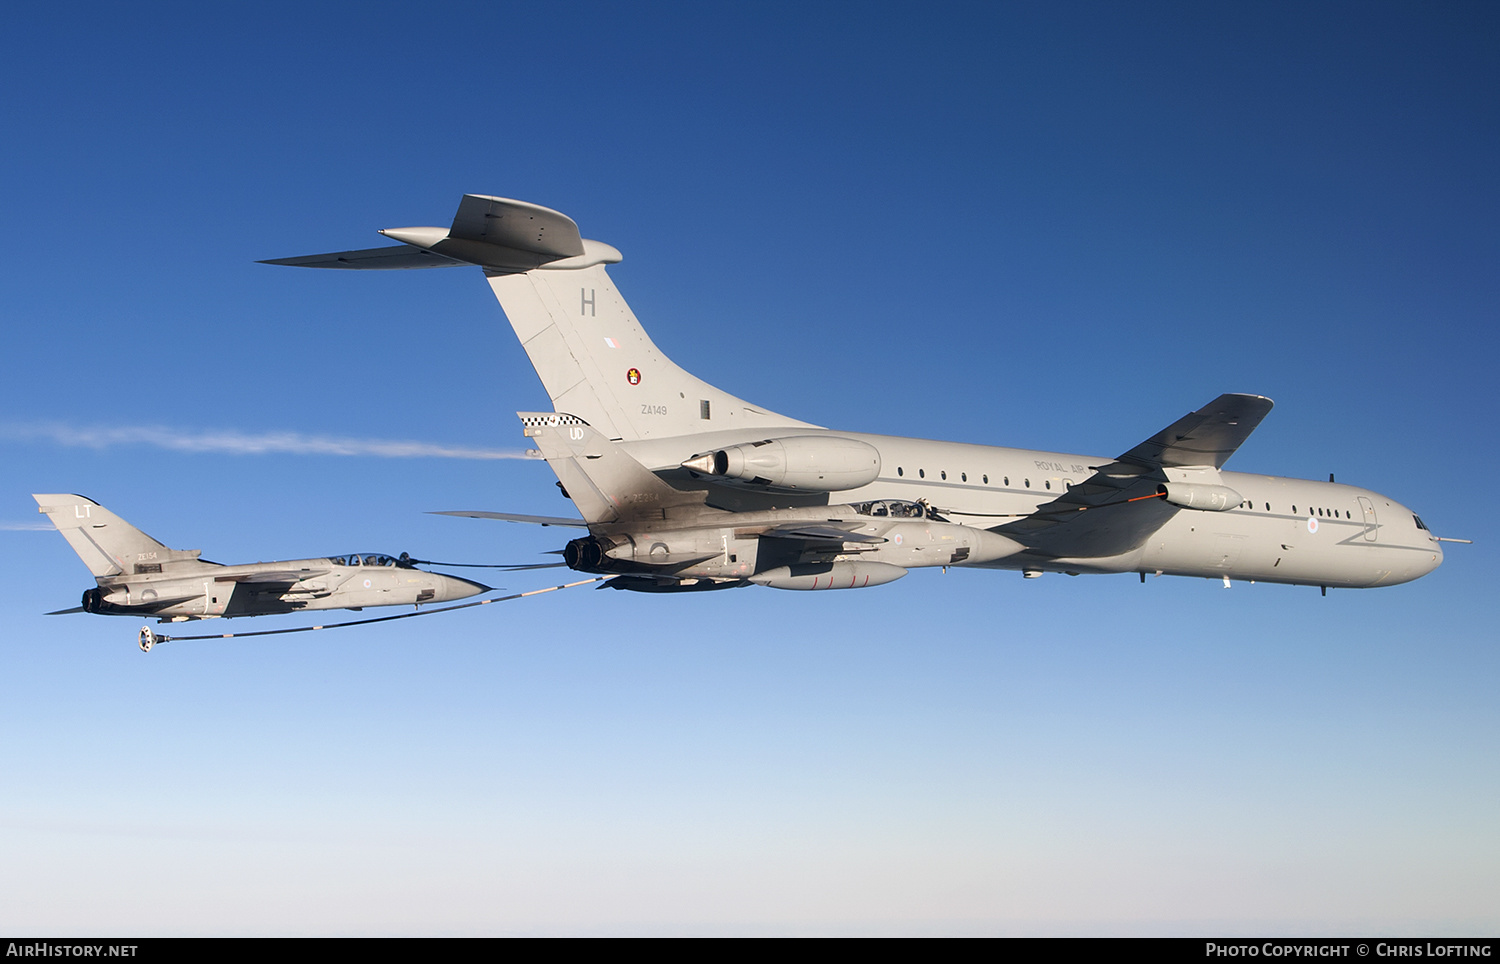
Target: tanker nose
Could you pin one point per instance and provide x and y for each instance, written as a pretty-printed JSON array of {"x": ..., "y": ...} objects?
[
  {"x": 1430, "y": 555},
  {"x": 1435, "y": 559}
]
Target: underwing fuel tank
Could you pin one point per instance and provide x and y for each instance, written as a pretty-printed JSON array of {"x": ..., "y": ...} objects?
[
  {"x": 836, "y": 575},
  {"x": 808, "y": 463}
]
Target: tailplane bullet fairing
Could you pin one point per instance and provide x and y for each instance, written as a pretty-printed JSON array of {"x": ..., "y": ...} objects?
[
  {"x": 684, "y": 487},
  {"x": 138, "y": 576}
]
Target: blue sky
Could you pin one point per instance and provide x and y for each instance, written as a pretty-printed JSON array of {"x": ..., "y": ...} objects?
[{"x": 1009, "y": 224}]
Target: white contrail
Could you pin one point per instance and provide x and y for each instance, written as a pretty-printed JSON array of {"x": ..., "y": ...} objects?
[
  {"x": 231, "y": 442},
  {"x": 26, "y": 527}
]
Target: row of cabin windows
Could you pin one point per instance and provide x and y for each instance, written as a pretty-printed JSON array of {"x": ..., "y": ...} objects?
[
  {"x": 1325, "y": 513},
  {"x": 1005, "y": 481},
  {"x": 964, "y": 477}
]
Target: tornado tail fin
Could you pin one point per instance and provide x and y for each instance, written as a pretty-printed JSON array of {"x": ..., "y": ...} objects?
[
  {"x": 605, "y": 483},
  {"x": 106, "y": 543}
]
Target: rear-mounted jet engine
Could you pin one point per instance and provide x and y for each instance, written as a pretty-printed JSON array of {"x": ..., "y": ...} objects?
[{"x": 824, "y": 463}]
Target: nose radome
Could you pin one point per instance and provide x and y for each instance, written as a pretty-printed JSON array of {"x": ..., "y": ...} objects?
[
  {"x": 1430, "y": 556},
  {"x": 452, "y": 587}
]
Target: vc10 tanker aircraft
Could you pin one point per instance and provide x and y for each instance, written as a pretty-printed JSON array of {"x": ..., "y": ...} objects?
[{"x": 684, "y": 487}]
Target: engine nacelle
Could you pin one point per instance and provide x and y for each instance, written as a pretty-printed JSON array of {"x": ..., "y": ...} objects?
[
  {"x": 837, "y": 575},
  {"x": 98, "y": 602},
  {"x": 816, "y": 463},
  {"x": 1200, "y": 495},
  {"x": 590, "y": 554}
]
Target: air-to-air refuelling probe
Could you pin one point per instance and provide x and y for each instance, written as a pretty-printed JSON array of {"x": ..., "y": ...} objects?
[
  {"x": 139, "y": 576},
  {"x": 684, "y": 487}
]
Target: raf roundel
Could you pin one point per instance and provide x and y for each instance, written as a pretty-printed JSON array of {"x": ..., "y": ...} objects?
[
  {"x": 633, "y": 376},
  {"x": 1312, "y": 524}
]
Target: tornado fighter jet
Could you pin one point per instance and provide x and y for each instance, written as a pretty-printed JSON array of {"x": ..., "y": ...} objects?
[
  {"x": 138, "y": 576},
  {"x": 685, "y": 487}
]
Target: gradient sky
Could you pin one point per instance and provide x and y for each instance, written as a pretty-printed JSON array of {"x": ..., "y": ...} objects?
[{"x": 1058, "y": 227}]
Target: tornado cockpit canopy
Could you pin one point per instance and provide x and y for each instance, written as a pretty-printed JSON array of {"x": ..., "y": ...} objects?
[
  {"x": 365, "y": 559},
  {"x": 894, "y": 509}
]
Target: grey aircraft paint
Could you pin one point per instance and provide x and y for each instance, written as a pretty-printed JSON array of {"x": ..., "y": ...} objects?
[
  {"x": 139, "y": 576},
  {"x": 684, "y": 487}
]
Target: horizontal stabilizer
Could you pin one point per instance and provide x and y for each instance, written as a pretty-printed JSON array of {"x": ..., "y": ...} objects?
[
  {"x": 64, "y": 612},
  {"x": 539, "y": 520},
  {"x": 501, "y": 235},
  {"x": 393, "y": 256},
  {"x": 518, "y": 225}
]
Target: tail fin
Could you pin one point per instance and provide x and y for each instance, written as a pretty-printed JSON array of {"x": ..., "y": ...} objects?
[
  {"x": 596, "y": 361},
  {"x": 106, "y": 543},
  {"x": 605, "y": 484},
  {"x": 592, "y": 355}
]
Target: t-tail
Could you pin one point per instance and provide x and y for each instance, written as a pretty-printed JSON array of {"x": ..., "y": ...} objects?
[{"x": 592, "y": 355}]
